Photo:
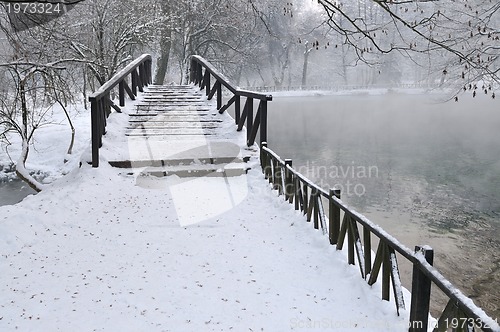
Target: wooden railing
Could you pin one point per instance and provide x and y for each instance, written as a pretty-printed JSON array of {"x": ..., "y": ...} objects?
[
  {"x": 343, "y": 228},
  {"x": 139, "y": 71},
  {"x": 202, "y": 72}
]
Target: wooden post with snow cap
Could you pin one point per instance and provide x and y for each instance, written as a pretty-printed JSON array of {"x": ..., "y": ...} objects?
[{"x": 420, "y": 292}]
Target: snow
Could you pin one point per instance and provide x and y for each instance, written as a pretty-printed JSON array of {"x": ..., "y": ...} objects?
[
  {"x": 97, "y": 250},
  {"x": 100, "y": 250},
  {"x": 51, "y": 142}
]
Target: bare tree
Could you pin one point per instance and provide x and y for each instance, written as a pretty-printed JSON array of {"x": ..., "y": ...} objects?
[
  {"x": 461, "y": 35},
  {"x": 27, "y": 107}
]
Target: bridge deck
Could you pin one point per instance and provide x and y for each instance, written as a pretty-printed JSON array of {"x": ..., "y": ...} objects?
[{"x": 175, "y": 130}]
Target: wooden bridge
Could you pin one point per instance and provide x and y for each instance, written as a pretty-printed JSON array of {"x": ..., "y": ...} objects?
[{"x": 183, "y": 130}]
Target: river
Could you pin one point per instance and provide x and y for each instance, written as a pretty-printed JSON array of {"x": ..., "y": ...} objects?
[
  {"x": 12, "y": 192},
  {"x": 426, "y": 171}
]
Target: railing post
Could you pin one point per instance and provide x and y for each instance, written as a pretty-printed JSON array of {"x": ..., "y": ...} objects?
[
  {"x": 96, "y": 131},
  {"x": 334, "y": 217},
  {"x": 420, "y": 293},
  {"x": 249, "y": 119},
  {"x": 263, "y": 121},
  {"x": 276, "y": 170},
  {"x": 305, "y": 200},
  {"x": 134, "y": 82},
  {"x": 142, "y": 75},
  {"x": 208, "y": 85},
  {"x": 219, "y": 94},
  {"x": 237, "y": 110},
  {"x": 263, "y": 163},
  {"x": 367, "y": 249},
  {"x": 149, "y": 69},
  {"x": 288, "y": 181},
  {"x": 192, "y": 70},
  {"x": 140, "y": 82},
  {"x": 315, "y": 210},
  {"x": 296, "y": 189},
  {"x": 121, "y": 92},
  {"x": 199, "y": 74}
]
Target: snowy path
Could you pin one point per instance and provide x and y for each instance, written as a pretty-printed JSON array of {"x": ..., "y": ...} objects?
[{"x": 100, "y": 250}]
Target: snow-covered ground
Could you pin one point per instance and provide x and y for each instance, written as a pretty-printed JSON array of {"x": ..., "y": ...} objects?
[
  {"x": 98, "y": 250},
  {"x": 50, "y": 144}
]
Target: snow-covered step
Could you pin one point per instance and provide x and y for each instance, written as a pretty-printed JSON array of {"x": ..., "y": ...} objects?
[
  {"x": 171, "y": 124},
  {"x": 181, "y": 162},
  {"x": 174, "y": 112},
  {"x": 175, "y": 130},
  {"x": 209, "y": 170},
  {"x": 149, "y": 118},
  {"x": 170, "y": 107}
]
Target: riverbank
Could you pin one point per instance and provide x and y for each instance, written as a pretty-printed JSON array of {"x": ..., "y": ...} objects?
[{"x": 48, "y": 151}]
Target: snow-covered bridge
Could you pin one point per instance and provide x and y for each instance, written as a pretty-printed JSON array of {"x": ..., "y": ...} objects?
[{"x": 179, "y": 231}]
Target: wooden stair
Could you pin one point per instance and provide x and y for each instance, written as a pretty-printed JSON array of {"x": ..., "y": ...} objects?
[{"x": 175, "y": 130}]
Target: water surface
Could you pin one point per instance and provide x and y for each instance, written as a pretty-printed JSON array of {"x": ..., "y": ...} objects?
[
  {"x": 12, "y": 192},
  {"x": 425, "y": 170}
]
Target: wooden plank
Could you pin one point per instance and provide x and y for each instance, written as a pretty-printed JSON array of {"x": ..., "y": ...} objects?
[
  {"x": 386, "y": 274},
  {"x": 305, "y": 198},
  {"x": 343, "y": 232},
  {"x": 379, "y": 258},
  {"x": 350, "y": 242},
  {"x": 229, "y": 103},
  {"x": 310, "y": 205},
  {"x": 315, "y": 197},
  {"x": 334, "y": 217},
  {"x": 106, "y": 87},
  {"x": 358, "y": 247},
  {"x": 421, "y": 292},
  {"x": 113, "y": 105},
  {"x": 263, "y": 120},
  {"x": 250, "y": 120},
  {"x": 367, "y": 246},
  {"x": 322, "y": 216},
  {"x": 243, "y": 117},
  {"x": 128, "y": 90},
  {"x": 212, "y": 91},
  {"x": 255, "y": 125},
  {"x": 397, "y": 287},
  {"x": 449, "y": 312}
]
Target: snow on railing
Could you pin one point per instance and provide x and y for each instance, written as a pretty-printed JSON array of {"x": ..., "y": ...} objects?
[
  {"x": 461, "y": 314},
  {"x": 101, "y": 103},
  {"x": 201, "y": 73}
]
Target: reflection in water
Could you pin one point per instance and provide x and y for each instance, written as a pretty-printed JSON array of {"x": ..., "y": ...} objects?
[{"x": 437, "y": 179}]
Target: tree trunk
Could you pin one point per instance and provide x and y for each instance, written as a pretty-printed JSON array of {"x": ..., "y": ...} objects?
[
  {"x": 162, "y": 62},
  {"x": 165, "y": 45},
  {"x": 21, "y": 171},
  {"x": 304, "y": 68}
]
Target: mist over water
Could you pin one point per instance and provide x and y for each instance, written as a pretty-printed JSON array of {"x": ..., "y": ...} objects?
[{"x": 435, "y": 175}]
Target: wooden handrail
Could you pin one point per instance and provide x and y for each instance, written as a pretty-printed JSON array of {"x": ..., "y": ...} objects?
[
  {"x": 101, "y": 103},
  {"x": 307, "y": 197},
  {"x": 201, "y": 74}
]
